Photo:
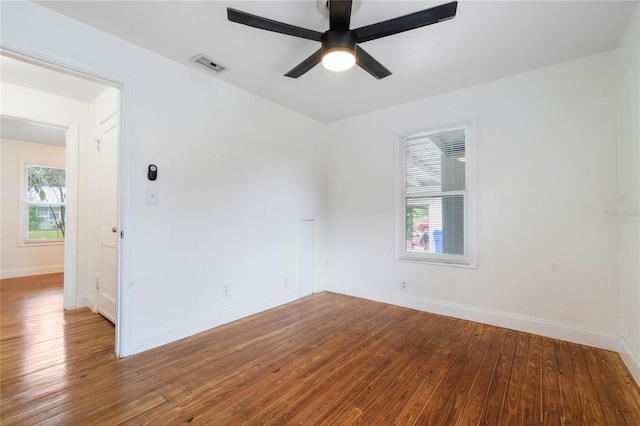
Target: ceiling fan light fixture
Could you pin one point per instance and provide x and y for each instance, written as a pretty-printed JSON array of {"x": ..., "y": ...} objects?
[
  {"x": 338, "y": 59},
  {"x": 340, "y": 44}
]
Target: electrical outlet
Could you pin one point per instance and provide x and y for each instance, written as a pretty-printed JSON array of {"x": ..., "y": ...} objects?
[
  {"x": 225, "y": 291},
  {"x": 403, "y": 285},
  {"x": 286, "y": 283}
]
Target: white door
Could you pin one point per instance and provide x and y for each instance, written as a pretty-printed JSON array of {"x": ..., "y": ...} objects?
[
  {"x": 305, "y": 257},
  {"x": 107, "y": 285}
]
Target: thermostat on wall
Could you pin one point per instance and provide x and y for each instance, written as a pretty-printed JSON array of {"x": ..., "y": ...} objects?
[{"x": 152, "y": 173}]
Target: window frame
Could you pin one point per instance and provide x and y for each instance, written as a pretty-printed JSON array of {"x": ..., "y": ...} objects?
[
  {"x": 469, "y": 259},
  {"x": 23, "y": 213}
]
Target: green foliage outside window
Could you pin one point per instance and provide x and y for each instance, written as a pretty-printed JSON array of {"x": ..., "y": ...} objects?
[{"x": 46, "y": 193}]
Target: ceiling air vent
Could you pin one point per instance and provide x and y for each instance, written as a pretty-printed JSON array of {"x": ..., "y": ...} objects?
[{"x": 207, "y": 63}]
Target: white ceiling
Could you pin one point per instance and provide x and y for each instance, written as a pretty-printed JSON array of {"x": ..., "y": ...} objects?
[
  {"x": 47, "y": 80},
  {"x": 484, "y": 42},
  {"x": 30, "y": 131}
]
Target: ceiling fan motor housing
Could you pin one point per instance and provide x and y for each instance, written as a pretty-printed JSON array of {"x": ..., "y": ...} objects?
[{"x": 339, "y": 40}]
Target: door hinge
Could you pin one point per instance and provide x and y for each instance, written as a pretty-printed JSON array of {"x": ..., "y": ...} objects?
[
  {"x": 121, "y": 234},
  {"x": 97, "y": 144},
  {"x": 97, "y": 284}
]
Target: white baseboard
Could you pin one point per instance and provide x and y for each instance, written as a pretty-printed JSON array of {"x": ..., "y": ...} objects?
[
  {"x": 83, "y": 301},
  {"x": 196, "y": 325},
  {"x": 532, "y": 325},
  {"x": 630, "y": 358},
  {"x": 26, "y": 272}
]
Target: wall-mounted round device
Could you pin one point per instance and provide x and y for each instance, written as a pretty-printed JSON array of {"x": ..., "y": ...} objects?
[{"x": 152, "y": 173}]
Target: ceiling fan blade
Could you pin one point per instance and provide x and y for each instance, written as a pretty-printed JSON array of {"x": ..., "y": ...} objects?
[
  {"x": 407, "y": 22},
  {"x": 339, "y": 14},
  {"x": 271, "y": 25},
  {"x": 370, "y": 65},
  {"x": 306, "y": 65}
]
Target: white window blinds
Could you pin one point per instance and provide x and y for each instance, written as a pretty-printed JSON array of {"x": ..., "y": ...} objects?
[{"x": 434, "y": 195}]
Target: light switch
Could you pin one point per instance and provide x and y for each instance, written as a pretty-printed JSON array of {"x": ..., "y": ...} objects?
[{"x": 152, "y": 195}]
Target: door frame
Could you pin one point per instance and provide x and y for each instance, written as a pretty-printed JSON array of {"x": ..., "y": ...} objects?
[{"x": 27, "y": 53}]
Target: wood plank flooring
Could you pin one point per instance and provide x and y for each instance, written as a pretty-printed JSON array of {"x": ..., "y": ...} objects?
[{"x": 327, "y": 359}]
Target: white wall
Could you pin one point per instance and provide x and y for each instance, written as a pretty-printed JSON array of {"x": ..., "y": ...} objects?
[
  {"x": 235, "y": 174},
  {"x": 547, "y": 160},
  {"x": 628, "y": 88},
  {"x": 19, "y": 259}
]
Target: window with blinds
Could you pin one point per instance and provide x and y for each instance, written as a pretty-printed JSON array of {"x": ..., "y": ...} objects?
[{"x": 434, "y": 195}]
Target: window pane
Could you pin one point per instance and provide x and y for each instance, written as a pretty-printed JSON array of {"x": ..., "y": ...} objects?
[
  {"x": 45, "y": 196},
  {"x": 435, "y": 162},
  {"x": 435, "y": 196},
  {"x": 435, "y": 224},
  {"x": 46, "y": 185}
]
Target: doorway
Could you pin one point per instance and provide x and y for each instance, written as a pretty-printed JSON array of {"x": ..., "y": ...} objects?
[
  {"x": 33, "y": 197},
  {"x": 41, "y": 92}
]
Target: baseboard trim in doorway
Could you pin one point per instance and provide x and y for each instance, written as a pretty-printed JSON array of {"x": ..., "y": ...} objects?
[{"x": 83, "y": 301}]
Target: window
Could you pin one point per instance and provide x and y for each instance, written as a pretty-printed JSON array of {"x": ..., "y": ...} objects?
[
  {"x": 436, "y": 196},
  {"x": 45, "y": 193}
]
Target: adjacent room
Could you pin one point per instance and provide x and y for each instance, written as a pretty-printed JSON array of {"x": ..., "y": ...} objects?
[{"x": 206, "y": 220}]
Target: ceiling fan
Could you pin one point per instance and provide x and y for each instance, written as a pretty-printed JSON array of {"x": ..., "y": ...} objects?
[{"x": 340, "y": 45}]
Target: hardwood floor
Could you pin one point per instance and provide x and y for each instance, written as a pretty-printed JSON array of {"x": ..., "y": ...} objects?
[{"x": 326, "y": 359}]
